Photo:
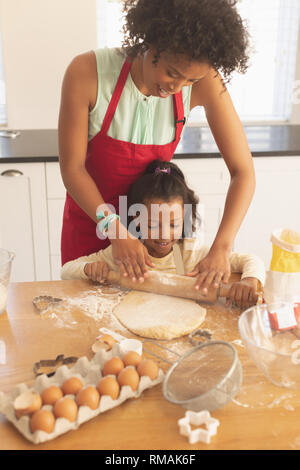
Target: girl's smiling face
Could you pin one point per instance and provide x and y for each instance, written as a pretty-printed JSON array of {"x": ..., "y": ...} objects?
[
  {"x": 168, "y": 75},
  {"x": 164, "y": 225}
]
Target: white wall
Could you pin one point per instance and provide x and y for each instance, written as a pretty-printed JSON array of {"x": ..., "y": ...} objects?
[{"x": 40, "y": 37}]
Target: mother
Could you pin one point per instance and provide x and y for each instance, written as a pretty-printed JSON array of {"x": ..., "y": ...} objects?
[{"x": 122, "y": 108}]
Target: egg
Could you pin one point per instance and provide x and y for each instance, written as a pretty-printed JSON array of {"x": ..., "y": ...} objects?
[
  {"x": 113, "y": 366},
  {"x": 66, "y": 408},
  {"x": 132, "y": 358},
  {"x": 51, "y": 394},
  {"x": 129, "y": 376},
  {"x": 27, "y": 403},
  {"x": 108, "y": 340},
  {"x": 71, "y": 386},
  {"x": 88, "y": 396},
  {"x": 109, "y": 386},
  {"x": 42, "y": 420},
  {"x": 149, "y": 368}
]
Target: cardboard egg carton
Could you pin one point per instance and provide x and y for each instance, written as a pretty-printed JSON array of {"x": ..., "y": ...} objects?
[{"x": 89, "y": 372}]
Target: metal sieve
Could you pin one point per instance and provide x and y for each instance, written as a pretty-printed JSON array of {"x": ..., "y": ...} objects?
[{"x": 205, "y": 378}]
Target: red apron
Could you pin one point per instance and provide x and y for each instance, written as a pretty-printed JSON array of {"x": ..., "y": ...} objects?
[{"x": 114, "y": 165}]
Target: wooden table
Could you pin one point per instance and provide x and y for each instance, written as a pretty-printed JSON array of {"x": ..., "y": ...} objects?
[{"x": 262, "y": 416}]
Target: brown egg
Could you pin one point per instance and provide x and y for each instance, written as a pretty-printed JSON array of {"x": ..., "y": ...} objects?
[
  {"x": 108, "y": 340},
  {"x": 149, "y": 368},
  {"x": 132, "y": 358},
  {"x": 27, "y": 403},
  {"x": 88, "y": 396},
  {"x": 113, "y": 366},
  {"x": 51, "y": 394},
  {"x": 71, "y": 386},
  {"x": 109, "y": 386},
  {"x": 42, "y": 420},
  {"x": 66, "y": 408},
  {"x": 129, "y": 376}
]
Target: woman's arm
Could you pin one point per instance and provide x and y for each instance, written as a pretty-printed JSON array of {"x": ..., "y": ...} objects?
[
  {"x": 79, "y": 94},
  {"x": 230, "y": 138}
]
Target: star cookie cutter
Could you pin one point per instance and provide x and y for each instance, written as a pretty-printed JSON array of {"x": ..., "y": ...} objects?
[{"x": 197, "y": 419}]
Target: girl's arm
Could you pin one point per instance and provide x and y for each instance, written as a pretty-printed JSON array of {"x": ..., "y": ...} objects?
[
  {"x": 76, "y": 269},
  {"x": 79, "y": 94},
  {"x": 244, "y": 293},
  {"x": 230, "y": 138}
]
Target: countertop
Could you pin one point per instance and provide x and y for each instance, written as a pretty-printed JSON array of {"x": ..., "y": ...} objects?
[
  {"x": 41, "y": 145},
  {"x": 261, "y": 416}
]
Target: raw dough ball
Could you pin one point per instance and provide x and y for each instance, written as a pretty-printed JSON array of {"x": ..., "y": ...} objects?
[{"x": 159, "y": 316}]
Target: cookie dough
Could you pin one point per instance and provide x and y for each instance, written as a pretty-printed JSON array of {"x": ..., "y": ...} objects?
[{"x": 159, "y": 316}]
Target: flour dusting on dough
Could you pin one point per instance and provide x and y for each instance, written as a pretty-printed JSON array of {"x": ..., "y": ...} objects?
[{"x": 159, "y": 316}]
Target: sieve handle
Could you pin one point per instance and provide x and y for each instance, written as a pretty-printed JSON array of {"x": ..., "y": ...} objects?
[{"x": 162, "y": 347}]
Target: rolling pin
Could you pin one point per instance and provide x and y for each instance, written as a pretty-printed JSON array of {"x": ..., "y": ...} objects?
[{"x": 169, "y": 284}]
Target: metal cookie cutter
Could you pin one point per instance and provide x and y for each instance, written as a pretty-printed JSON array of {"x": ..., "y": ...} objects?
[
  {"x": 202, "y": 333},
  {"x": 42, "y": 302},
  {"x": 197, "y": 419},
  {"x": 49, "y": 366}
]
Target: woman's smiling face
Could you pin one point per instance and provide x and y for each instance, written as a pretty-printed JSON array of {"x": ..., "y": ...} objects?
[{"x": 168, "y": 75}]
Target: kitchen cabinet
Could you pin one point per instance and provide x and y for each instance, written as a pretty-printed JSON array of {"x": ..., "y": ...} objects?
[
  {"x": 24, "y": 225},
  {"x": 56, "y": 194},
  {"x": 209, "y": 178}
]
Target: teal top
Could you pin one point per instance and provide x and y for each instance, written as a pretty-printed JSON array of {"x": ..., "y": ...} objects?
[{"x": 138, "y": 118}]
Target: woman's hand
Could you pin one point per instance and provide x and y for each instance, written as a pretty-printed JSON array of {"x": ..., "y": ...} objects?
[
  {"x": 212, "y": 270},
  {"x": 129, "y": 253},
  {"x": 243, "y": 293},
  {"x": 97, "y": 271}
]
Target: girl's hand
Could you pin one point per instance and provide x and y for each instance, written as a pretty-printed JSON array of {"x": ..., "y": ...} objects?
[
  {"x": 97, "y": 271},
  {"x": 243, "y": 293},
  {"x": 130, "y": 254},
  {"x": 212, "y": 270}
]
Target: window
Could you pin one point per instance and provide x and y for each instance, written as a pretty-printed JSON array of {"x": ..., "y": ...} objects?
[
  {"x": 265, "y": 92},
  {"x": 109, "y": 19},
  {"x": 2, "y": 89}
]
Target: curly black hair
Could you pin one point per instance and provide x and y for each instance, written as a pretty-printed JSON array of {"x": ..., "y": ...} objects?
[
  {"x": 209, "y": 31},
  {"x": 153, "y": 184}
]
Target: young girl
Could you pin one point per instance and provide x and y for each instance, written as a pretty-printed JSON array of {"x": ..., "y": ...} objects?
[
  {"x": 161, "y": 197},
  {"x": 122, "y": 108}
]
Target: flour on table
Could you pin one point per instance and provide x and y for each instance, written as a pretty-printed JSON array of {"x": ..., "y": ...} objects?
[
  {"x": 159, "y": 316},
  {"x": 94, "y": 304}
]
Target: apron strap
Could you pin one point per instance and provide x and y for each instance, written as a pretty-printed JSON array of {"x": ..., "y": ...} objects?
[
  {"x": 115, "y": 97},
  {"x": 178, "y": 114},
  {"x": 177, "y": 104}
]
